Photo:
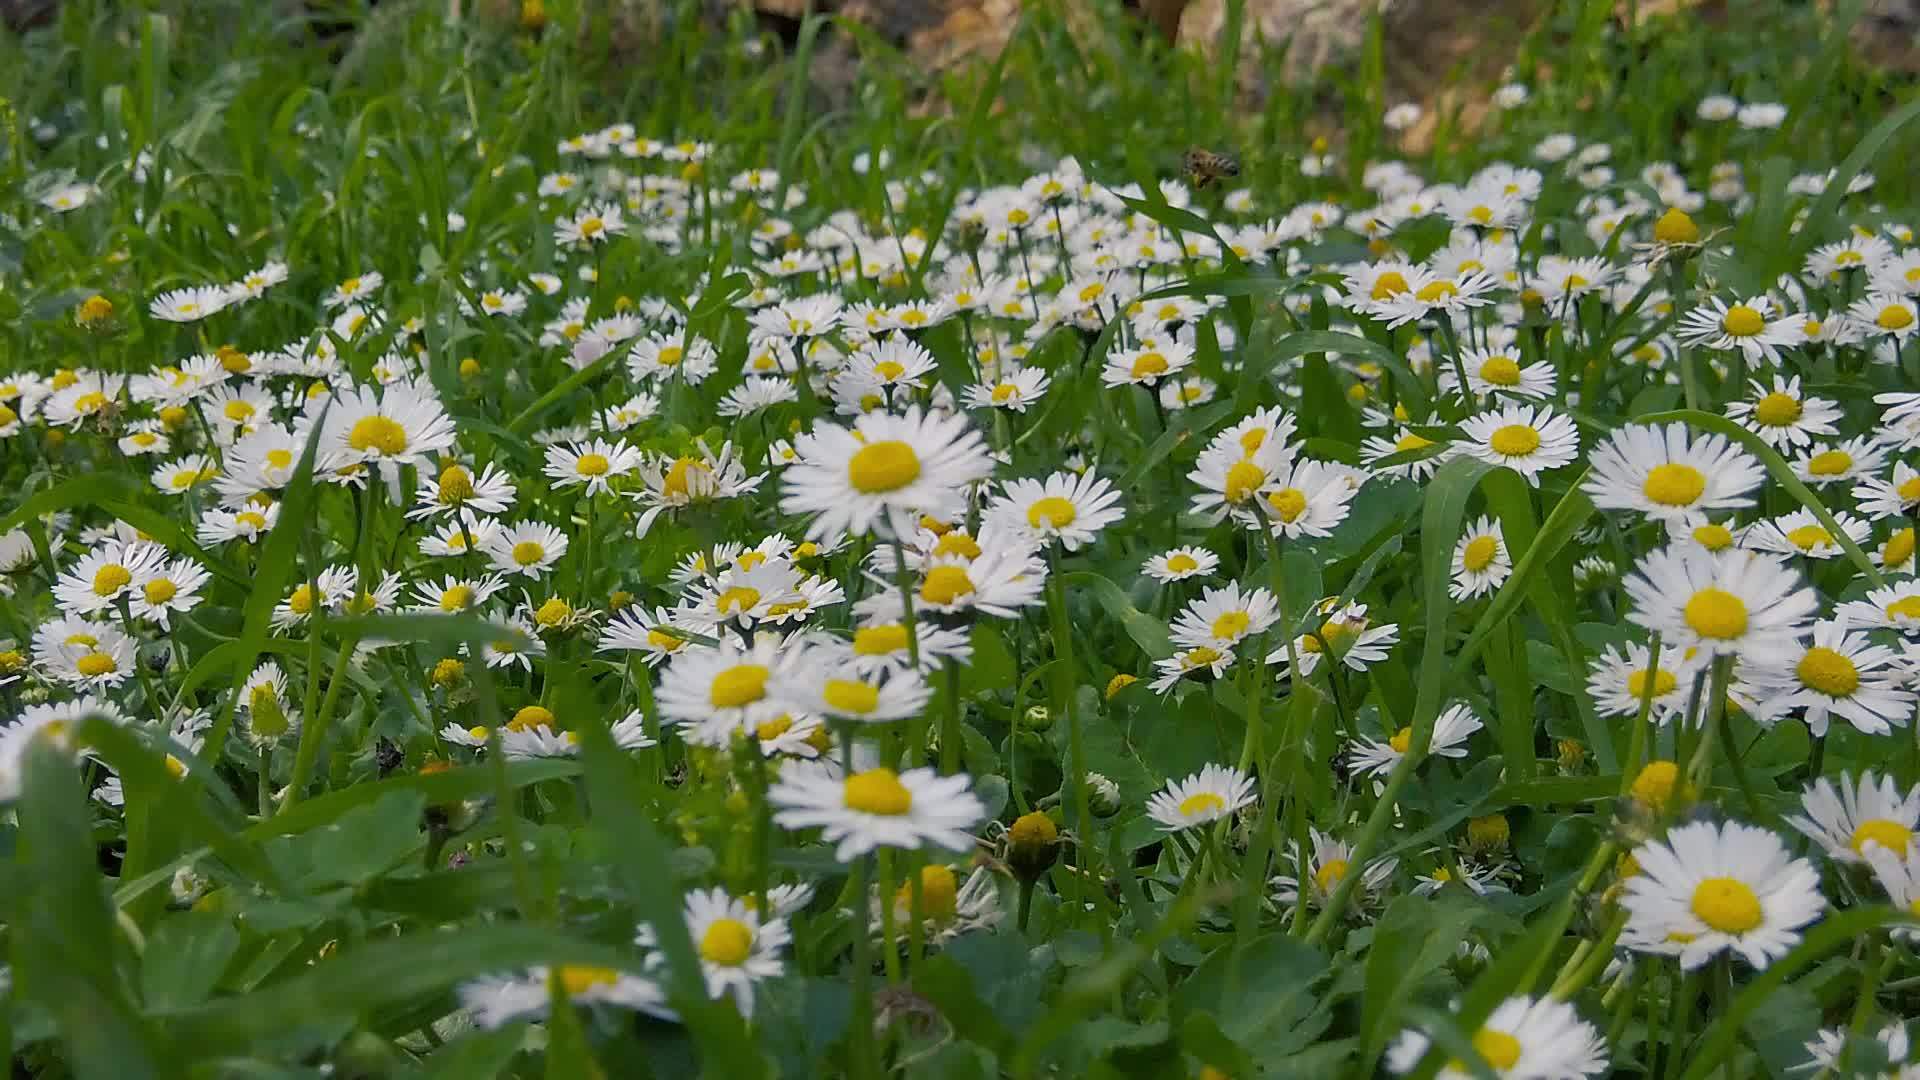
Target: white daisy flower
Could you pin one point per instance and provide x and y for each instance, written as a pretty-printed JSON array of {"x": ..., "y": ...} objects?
[
  {"x": 1499, "y": 371},
  {"x": 737, "y": 947},
  {"x": 1709, "y": 889},
  {"x": 1800, "y": 533},
  {"x": 1744, "y": 326},
  {"x": 1201, "y": 661},
  {"x": 495, "y": 1001},
  {"x": 1524, "y": 1038},
  {"x": 596, "y": 463},
  {"x": 1181, "y": 563},
  {"x": 526, "y": 547},
  {"x": 1451, "y": 730},
  {"x": 174, "y": 587},
  {"x": 1661, "y": 473},
  {"x": 1481, "y": 563},
  {"x": 717, "y": 690},
  {"x": 1070, "y": 508},
  {"x": 459, "y": 490},
  {"x": 822, "y": 682},
  {"x": 401, "y": 424},
  {"x": 1863, "y": 813},
  {"x": 1728, "y": 602},
  {"x": 1853, "y": 460},
  {"x": 1618, "y": 679},
  {"x": 106, "y": 575},
  {"x": 1012, "y": 390},
  {"x": 1215, "y": 792},
  {"x": 1782, "y": 415},
  {"x": 1529, "y": 439},
  {"x": 1328, "y": 866},
  {"x": 1841, "y": 673},
  {"x": 1223, "y": 617},
  {"x": 878, "y": 808},
  {"x": 1347, "y": 634},
  {"x": 82, "y": 653},
  {"x": 1896, "y": 498},
  {"x": 884, "y": 472}
]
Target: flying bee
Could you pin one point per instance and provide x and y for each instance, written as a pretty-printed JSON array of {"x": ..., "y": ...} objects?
[{"x": 1204, "y": 166}]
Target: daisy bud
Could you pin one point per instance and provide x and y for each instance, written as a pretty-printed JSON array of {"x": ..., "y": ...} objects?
[
  {"x": 555, "y": 612},
  {"x": 1033, "y": 842},
  {"x": 1103, "y": 796},
  {"x": 12, "y": 662},
  {"x": 1656, "y": 785},
  {"x": 449, "y": 673},
  {"x": 55, "y": 438},
  {"x": 469, "y": 367},
  {"x": 1037, "y": 718},
  {"x": 533, "y": 15},
  {"x": 94, "y": 312},
  {"x": 1570, "y": 754},
  {"x": 173, "y": 417},
  {"x": 1675, "y": 227},
  {"x": 1487, "y": 833}
]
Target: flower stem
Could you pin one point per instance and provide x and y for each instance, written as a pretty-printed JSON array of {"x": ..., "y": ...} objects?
[
  {"x": 315, "y": 730},
  {"x": 1063, "y": 694}
]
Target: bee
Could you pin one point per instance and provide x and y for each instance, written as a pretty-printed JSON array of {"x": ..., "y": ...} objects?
[{"x": 1205, "y": 166}]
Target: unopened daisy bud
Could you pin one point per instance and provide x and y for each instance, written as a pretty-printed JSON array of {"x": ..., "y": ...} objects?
[
  {"x": 555, "y": 612},
  {"x": 1103, "y": 795},
  {"x": 1675, "y": 227},
  {"x": 12, "y": 662},
  {"x": 1570, "y": 754},
  {"x": 1488, "y": 833},
  {"x": 55, "y": 438},
  {"x": 1120, "y": 682},
  {"x": 1656, "y": 785},
  {"x": 94, "y": 312},
  {"x": 1033, "y": 843},
  {"x": 449, "y": 673},
  {"x": 469, "y": 367},
  {"x": 533, "y": 15},
  {"x": 1037, "y": 718}
]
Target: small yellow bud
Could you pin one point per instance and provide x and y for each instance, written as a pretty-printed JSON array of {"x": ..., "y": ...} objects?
[
  {"x": 469, "y": 367},
  {"x": 448, "y": 673},
  {"x": 94, "y": 311},
  {"x": 1654, "y": 788},
  {"x": 1675, "y": 227},
  {"x": 1488, "y": 832}
]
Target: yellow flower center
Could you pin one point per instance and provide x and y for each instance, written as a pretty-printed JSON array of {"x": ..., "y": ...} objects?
[
  {"x": 530, "y": 717},
  {"x": 377, "y": 434},
  {"x": 110, "y": 579},
  {"x": 1052, "y": 511},
  {"x": 664, "y": 641},
  {"x": 1664, "y": 682},
  {"x": 889, "y": 370},
  {"x": 1501, "y": 371},
  {"x": 880, "y": 640},
  {"x": 1830, "y": 463},
  {"x": 1004, "y": 393},
  {"x": 1199, "y": 657},
  {"x": 457, "y": 598},
  {"x": 1434, "y": 291},
  {"x": 528, "y": 552},
  {"x": 727, "y": 942},
  {"x": 1149, "y": 364},
  {"x": 878, "y": 791},
  {"x": 1828, "y": 671},
  {"x": 1389, "y": 285},
  {"x": 1500, "y": 1049},
  {"x": 1243, "y": 479},
  {"x": 1909, "y": 490},
  {"x": 1674, "y": 484},
  {"x": 95, "y": 663},
  {"x": 1229, "y": 626},
  {"x": 1401, "y": 740},
  {"x": 883, "y": 466},
  {"x": 958, "y": 543},
  {"x": 1727, "y": 905},
  {"x": 1888, "y": 834},
  {"x": 1204, "y": 802},
  {"x": 1479, "y": 554},
  {"x": 1808, "y": 537},
  {"x": 742, "y": 684},
  {"x": 592, "y": 465},
  {"x": 738, "y": 600},
  {"x": 1716, "y": 613},
  {"x": 1329, "y": 876},
  {"x": 159, "y": 591},
  {"x": 851, "y": 696},
  {"x": 1907, "y": 607},
  {"x": 1675, "y": 227},
  {"x": 1288, "y": 503},
  {"x": 1898, "y": 548},
  {"x": 1777, "y": 409},
  {"x": 1182, "y": 563},
  {"x": 238, "y": 411},
  {"x": 552, "y": 613},
  {"x": 945, "y": 584},
  {"x": 1743, "y": 321},
  {"x": 90, "y": 403},
  {"x": 1894, "y": 317},
  {"x": 578, "y": 979},
  {"x": 939, "y": 893},
  {"x": 681, "y": 475},
  {"x": 1514, "y": 440},
  {"x": 1410, "y": 441}
]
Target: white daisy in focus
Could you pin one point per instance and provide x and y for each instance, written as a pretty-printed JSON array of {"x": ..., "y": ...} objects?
[
  {"x": 1800, "y": 533},
  {"x": 1618, "y": 680},
  {"x": 1662, "y": 473},
  {"x": 1451, "y": 730},
  {"x": 1709, "y": 889},
  {"x": 1842, "y": 673},
  {"x": 1529, "y": 439},
  {"x": 596, "y": 463},
  {"x": 883, "y": 473},
  {"x": 1728, "y": 602},
  {"x": 737, "y": 947},
  {"x": 1524, "y": 1038},
  {"x": 1481, "y": 563},
  {"x": 1743, "y": 326},
  {"x": 1223, "y": 617},
  {"x": 1070, "y": 508},
  {"x": 1783, "y": 416},
  {"x": 527, "y": 547},
  {"x": 1181, "y": 563}
]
